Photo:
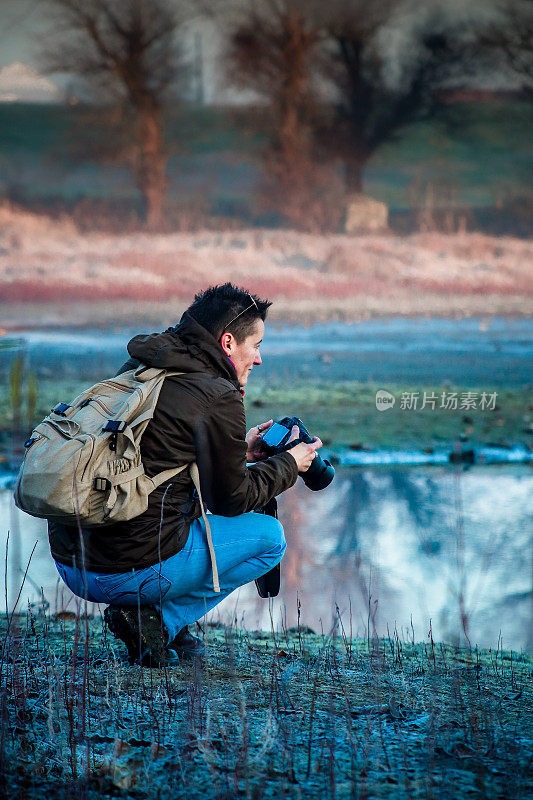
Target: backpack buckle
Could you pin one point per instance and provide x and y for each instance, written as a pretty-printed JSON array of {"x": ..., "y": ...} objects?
[
  {"x": 61, "y": 409},
  {"x": 115, "y": 426},
  {"x": 101, "y": 484}
]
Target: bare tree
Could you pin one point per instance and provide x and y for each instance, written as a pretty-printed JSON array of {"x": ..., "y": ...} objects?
[
  {"x": 323, "y": 71},
  {"x": 271, "y": 52},
  {"x": 273, "y": 49},
  {"x": 511, "y": 36},
  {"x": 126, "y": 51},
  {"x": 370, "y": 107}
]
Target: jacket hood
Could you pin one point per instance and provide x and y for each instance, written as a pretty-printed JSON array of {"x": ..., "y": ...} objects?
[{"x": 188, "y": 347}]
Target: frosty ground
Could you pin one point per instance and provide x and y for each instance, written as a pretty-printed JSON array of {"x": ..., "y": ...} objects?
[{"x": 291, "y": 713}]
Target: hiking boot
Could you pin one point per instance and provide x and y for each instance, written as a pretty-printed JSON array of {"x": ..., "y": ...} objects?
[
  {"x": 146, "y": 644},
  {"x": 185, "y": 645}
]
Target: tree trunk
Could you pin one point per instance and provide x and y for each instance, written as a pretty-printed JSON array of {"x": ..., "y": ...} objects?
[
  {"x": 292, "y": 133},
  {"x": 151, "y": 174},
  {"x": 353, "y": 176}
]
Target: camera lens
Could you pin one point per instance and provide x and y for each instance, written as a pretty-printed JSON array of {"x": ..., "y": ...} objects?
[{"x": 319, "y": 475}]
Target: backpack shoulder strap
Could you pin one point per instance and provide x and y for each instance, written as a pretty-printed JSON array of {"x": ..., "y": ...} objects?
[
  {"x": 195, "y": 475},
  {"x": 144, "y": 374}
]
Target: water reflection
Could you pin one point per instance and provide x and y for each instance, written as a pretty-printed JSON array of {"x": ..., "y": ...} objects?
[{"x": 391, "y": 547}]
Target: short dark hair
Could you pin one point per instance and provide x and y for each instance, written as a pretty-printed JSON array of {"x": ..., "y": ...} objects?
[{"x": 228, "y": 309}]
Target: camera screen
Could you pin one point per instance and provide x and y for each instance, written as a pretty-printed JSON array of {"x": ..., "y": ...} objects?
[{"x": 275, "y": 435}]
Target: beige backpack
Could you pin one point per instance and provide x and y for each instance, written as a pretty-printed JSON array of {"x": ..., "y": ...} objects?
[{"x": 83, "y": 464}]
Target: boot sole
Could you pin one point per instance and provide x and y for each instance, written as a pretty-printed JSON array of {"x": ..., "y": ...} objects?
[{"x": 145, "y": 647}]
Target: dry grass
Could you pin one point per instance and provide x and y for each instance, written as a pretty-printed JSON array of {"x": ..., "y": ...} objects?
[{"x": 47, "y": 261}]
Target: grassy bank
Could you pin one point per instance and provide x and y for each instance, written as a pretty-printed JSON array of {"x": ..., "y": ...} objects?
[
  {"x": 345, "y": 415},
  {"x": 290, "y": 714},
  {"x": 468, "y": 156}
]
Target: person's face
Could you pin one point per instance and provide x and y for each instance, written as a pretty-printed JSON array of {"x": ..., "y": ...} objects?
[{"x": 245, "y": 355}]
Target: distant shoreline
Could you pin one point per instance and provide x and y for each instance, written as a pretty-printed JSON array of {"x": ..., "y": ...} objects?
[{"x": 75, "y": 315}]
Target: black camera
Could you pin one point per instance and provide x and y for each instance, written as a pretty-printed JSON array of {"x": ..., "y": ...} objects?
[{"x": 276, "y": 440}]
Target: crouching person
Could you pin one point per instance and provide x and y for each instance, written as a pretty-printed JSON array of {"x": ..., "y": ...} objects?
[{"x": 164, "y": 569}]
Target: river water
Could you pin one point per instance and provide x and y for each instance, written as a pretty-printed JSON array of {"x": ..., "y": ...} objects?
[
  {"x": 468, "y": 352},
  {"x": 395, "y": 545}
]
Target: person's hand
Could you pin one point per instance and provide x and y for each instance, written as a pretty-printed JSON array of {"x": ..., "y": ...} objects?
[
  {"x": 303, "y": 453},
  {"x": 254, "y": 451}
]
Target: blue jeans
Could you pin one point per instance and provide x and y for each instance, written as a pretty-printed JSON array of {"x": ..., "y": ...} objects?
[{"x": 181, "y": 587}]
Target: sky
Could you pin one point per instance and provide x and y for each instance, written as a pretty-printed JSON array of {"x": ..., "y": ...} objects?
[{"x": 23, "y": 25}]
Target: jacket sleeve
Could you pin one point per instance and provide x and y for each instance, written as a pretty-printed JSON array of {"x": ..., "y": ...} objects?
[{"x": 229, "y": 486}]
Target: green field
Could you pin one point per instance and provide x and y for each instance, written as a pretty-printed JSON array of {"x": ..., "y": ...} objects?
[
  {"x": 471, "y": 155},
  {"x": 344, "y": 415}
]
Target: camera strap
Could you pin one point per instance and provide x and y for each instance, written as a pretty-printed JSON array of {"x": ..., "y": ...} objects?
[{"x": 268, "y": 585}]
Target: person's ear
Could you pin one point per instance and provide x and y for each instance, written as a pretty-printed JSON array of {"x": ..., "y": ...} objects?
[{"x": 226, "y": 342}]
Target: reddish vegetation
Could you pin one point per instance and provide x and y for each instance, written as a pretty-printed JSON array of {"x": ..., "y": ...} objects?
[{"x": 43, "y": 261}]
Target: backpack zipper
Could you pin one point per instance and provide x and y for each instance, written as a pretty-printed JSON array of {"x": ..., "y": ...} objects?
[
  {"x": 117, "y": 385},
  {"x": 96, "y": 400}
]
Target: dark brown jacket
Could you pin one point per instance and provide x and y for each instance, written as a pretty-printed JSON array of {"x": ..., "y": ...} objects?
[{"x": 199, "y": 416}]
